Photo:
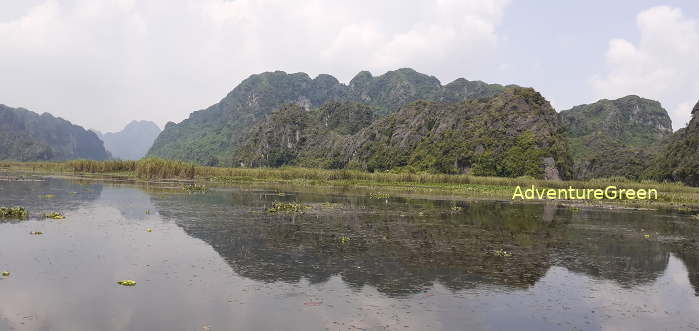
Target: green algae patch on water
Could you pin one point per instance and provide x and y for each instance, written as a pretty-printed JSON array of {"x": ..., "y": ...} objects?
[
  {"x": 55, "y": 215},
  {"x": 13, "y": 212},
  {"x": 287, "y": 207},
  {"x": 195, "y": 188},
  {"x": 502, "y": 253},
  {"x": 127, "y": 282}
]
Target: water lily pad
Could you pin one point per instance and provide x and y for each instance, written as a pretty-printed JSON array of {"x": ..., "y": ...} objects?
[
  {"x": 127, "y": 282},
  {"x": 13, "y": 212},
  {"x": 55, "y": 216}
]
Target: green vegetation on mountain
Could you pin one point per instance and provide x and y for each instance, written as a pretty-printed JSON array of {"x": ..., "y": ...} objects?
[
  {"x": 678, "y": 159},
  {"x": 131, "y": 143},
  {"x": 213, "y": 135},
  {"x": 514, "y": 133},
  {"x": 28, "y": 136},
  {"x": 615, "y": 137}
]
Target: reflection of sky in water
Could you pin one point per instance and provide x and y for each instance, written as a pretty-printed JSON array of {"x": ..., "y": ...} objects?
[{"x": 65, "y": 280}]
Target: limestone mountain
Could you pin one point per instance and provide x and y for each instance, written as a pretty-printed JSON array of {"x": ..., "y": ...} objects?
[
  {"x": 28, "y": 136},
  {"x": 615, "y": 137},
  {"x": 132, "y": 142},
  {"x": 514, "y": 133},
  {"x": 211, "y": 136},
  {"x": 678, "y": 159}
]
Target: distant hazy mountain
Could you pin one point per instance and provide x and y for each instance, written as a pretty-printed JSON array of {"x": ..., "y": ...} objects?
[
  {"x": 211, "y": 136},
  {"x": 28, "y": 136},
  {"x": 131, "y": 143},
  {"x": 615, "y": 137}
]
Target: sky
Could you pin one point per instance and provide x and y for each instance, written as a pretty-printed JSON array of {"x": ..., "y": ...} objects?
[{"x": 103, "y": 63}]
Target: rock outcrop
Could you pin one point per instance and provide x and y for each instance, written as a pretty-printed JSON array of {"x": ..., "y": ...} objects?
[
  {"x": 678, "y": 159},
  {"x": 211, "y": 136},
  {"x": 28, "y": 136},
  {"x": 514, "y": 133},
  {"x": 615, "y": 137}
]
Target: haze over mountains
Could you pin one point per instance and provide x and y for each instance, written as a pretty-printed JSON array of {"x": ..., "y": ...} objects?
[
  {"x": 131, "y": 143},
  {"x": 407, "y": 121}
]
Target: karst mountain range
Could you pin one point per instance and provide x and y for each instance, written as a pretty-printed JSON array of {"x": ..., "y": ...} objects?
[{"x": 401, "y": 121}]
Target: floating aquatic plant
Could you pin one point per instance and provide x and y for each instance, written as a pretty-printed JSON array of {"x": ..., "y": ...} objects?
[
  {"x": 127, "y": 282},
  {"x": 344, "y": 240},
  {"x": 6, "y": 274},
  {"x": 456, "y": 209},
  {"x": 149, "y": 230},
  {"x": 379, "y": 195},
  {"x": 36, "y": 233},
  {"x": 287, "y": 207},
  {"x": 331, "y": 205},
  {"x": 13, "y": 212},
  {"x": 502, "y": 253},
  {"x": 192, "y": 188},
  {"x": 55, "y": 215}
]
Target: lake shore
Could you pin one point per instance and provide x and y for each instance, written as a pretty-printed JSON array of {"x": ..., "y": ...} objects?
[{"x": 673, "y": 196}]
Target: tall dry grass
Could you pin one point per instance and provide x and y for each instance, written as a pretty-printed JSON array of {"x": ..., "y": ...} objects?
[{"x": 154, "y": 168}]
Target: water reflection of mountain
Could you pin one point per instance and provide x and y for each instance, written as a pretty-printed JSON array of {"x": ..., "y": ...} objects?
[
  {"x": 48, "y": 194},
  {"x": 394, "y": 249},
  {"x": 131, "y": 202},
  {"x": 613, "y": 245},
  {"x": 389, "y": 247}
]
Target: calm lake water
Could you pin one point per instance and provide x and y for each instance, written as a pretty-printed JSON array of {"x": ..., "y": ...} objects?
[{"x": 220, "y": 261}]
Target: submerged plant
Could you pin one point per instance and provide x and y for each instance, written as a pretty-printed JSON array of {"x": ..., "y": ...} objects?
[
  {"x": 13, "y": 212},
  {"x": 331, "y": 205},
  {"x": 55, "y": 215},
  {"x": 127, "y": 282},
  {"x": 502, "y": 253},
  {"x": 379, "y": 195},
  {"x": 192, "y": 188},
  {"x": 287, "y": 207}
]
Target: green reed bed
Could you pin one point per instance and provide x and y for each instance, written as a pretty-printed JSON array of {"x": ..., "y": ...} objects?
[{"x": 428, "y": 183}]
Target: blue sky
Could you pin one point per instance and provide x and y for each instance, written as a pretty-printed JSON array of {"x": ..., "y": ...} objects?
[
  {"x": 103, "y": 63},
  {"x": 558, "y": 46}
]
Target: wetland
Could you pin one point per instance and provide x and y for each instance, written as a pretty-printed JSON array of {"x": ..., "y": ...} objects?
[{"x": 278, "y": 256}]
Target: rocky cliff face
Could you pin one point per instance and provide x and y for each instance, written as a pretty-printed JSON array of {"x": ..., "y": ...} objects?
[
  {"x": 293, "y": 135},
  {"x": 678, "y": 159},
  {"x": 211, "y": 136},
  {"x": 28, "y": 136},
  {"x": 515, "y": 133},
  {"x": 615, "y": 137},
  {"x": 133, "y": 142}
]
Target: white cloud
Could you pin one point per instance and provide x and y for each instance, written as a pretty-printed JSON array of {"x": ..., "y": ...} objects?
[
  {"x": 663, "y": 65},
  {"x": 102, "y": 63}
]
